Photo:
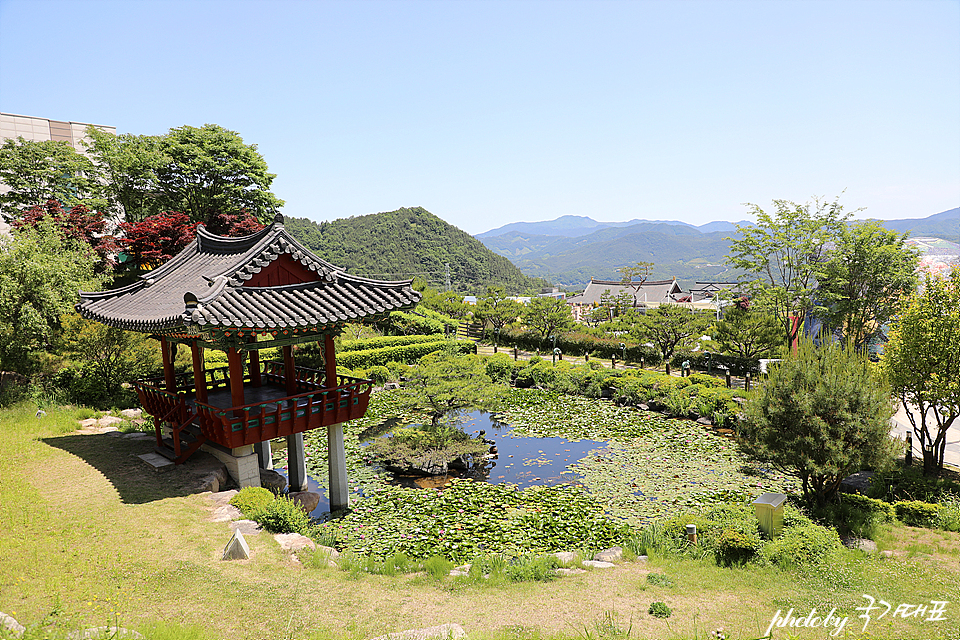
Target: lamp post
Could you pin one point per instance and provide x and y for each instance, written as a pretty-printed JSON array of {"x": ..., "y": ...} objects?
[
  {"x": 496, "y": 341},
  {"x": 623, "y": 352}
]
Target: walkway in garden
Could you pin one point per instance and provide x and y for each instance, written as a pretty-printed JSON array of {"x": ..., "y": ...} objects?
[{"x": 901, "y": 426}]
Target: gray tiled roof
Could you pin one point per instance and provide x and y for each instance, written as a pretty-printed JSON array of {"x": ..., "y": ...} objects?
[
  {"x": 655, "y": 291},
  {"x": 214, "y": 269}
]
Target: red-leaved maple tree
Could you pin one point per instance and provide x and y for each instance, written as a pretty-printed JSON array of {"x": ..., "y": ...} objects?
[
  {"x": 154, "y": 240},
  {"x": 80, "y": 223}
]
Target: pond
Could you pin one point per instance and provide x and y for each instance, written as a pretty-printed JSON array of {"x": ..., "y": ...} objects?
[
  {"x": 521, "y": 460},
  {"x": 639, "y": 465}
]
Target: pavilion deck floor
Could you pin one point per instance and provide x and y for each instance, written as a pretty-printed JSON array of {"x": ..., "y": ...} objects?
[{"x": 267, "y": 392}]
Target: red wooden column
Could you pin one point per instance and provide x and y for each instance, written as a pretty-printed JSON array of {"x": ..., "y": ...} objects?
[
  {"x": 255, "y": 379},
  {"x": 236, "y": 377},
  {"x": 329, "y": 363},
  {"x": 289, "y": 371},
  {"x": 169, "y": 379},
  {"x": 199, "y": 376}
]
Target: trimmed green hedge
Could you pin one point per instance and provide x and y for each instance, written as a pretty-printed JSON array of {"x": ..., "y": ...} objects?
[
  {"x": 918, "y": 514},
  {"x": 384, "y": 341},
  {"x": 579, "y": 344},
  {"x": 407, "y": 353},
  {"x": 698, "y": 361}
]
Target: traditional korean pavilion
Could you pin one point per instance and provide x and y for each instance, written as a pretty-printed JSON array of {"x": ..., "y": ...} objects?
[{"x": 241, "y": 295}]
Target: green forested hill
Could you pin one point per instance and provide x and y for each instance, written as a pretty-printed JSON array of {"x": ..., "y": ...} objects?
[{"x": 406, "y": 243}]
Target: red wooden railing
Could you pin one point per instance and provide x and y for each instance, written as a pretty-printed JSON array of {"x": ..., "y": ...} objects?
[{"x": 233, "y": 427}]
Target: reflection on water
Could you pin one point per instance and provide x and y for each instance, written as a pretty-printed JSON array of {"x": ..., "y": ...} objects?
[{"x": 520, "y": 460}]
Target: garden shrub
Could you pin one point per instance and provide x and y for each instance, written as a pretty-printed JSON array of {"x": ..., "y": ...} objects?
[
  {"x": 915, "y": 513},
  {"x": 804, "y": 546},
  {"x": 499, "y": 367},
  {"x": 283, "y": 515},
  {"x": 883, "y": 511},
  {"x": 659, "y": 610},
  {"x": 378, "y": 373},
  {"x": 398, "y": 370},
  {"x": 706, "y": 380},
  {"x": 735, "y": 547},
  {"x": 251, "y": 499}
]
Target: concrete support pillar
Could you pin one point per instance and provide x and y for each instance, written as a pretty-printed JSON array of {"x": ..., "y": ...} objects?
[
  {"x": 337, "y": 468},
  {"x": 242, "y": 463},
  {"x": 265, "y": 454},
  {"x": 199, "y": 376},
  {"x": 296, "y": 463},
  {"x": 169, "y": 378}
]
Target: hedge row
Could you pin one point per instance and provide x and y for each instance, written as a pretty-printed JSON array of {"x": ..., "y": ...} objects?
[
  {"x": 425, "y": 321},
  {"x": 694, "y": 395},
  {"x": 580, "y": 344},
  {"x": 383, "y": 341},
  {"x": 700, "y": 360},
  {"x": 407, "y": 353}
]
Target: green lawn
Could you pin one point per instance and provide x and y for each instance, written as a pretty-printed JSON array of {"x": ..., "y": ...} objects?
[{"x": 89, "y": 536}]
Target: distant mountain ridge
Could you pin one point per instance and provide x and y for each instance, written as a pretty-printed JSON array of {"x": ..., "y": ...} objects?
[
  {"x": 580, "y": 248},
  {"x": 409, "y": 243},
  {"x": 574, "y": 226}
]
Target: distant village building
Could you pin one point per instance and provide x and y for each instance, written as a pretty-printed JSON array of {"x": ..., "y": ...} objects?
[
  {"x": 13, "y": 126},
  {"x": 650, "y": 295},
  {"x": 645, "y": 295}
]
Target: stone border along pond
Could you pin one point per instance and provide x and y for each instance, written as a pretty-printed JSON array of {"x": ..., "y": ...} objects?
[{"x": 646, "y": 467}]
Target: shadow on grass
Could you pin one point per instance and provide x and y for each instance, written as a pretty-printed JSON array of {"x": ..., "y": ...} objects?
[{"x": 117, "y": 459}]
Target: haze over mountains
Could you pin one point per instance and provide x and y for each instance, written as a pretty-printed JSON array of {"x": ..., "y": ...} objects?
[
  {"x": 574, "y": 226},
  {"x": 571, "y": 249}
]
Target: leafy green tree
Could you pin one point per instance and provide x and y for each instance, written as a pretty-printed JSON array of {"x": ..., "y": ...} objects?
[
  {"x": 864, "y": 278},
  {"x": 783, "y": 252},
  {"x": 39, "y": 171},
  {"x": 823, "y": 413},
  {"x": 211, "y": 171},
  {"x": 115, "y": 355},
  {"x": 670, "y": 327},
  {"x": 128, "y": 164},
  {"x": 41, "y": 272},
  {"x": 446, "y": 384},
  {"x": 747, "y": 333},
  {"x": 548, "y": 316},
  {"x": 922, "y": 363},
  {"x": 447, "y": 303},
  {"x": 497, "y": 309}
]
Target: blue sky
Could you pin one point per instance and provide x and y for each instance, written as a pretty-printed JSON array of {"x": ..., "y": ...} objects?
[{"x": 493, "y": 112}]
